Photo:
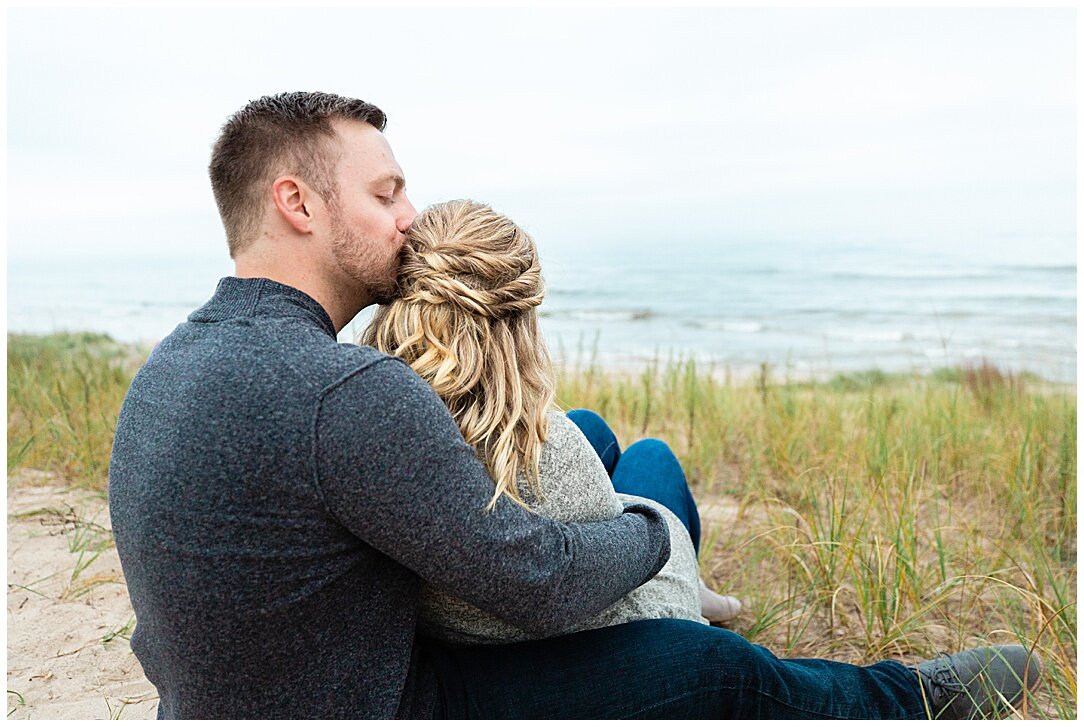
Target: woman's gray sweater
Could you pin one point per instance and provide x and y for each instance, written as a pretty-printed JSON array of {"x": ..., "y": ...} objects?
[{"x": 576, "y": 488}]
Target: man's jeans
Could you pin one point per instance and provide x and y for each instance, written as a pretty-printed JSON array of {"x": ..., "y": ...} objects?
[{"x": 666, "y": 668}]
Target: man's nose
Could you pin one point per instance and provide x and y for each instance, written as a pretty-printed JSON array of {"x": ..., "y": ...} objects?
[{"x": 407, "y": 216}]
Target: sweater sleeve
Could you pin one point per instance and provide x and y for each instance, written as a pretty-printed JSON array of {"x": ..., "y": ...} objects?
[{"x": 391, "y": 465}]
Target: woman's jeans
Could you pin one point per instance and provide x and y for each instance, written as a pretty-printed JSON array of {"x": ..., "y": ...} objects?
[
  {"x": 665, "y": 668},
  {"x": 647, "y": 469}
]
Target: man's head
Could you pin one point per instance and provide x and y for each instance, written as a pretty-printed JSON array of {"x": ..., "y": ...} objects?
[
  {"x": 288, "y": 133},
  {"x": 311, "y": 176}
]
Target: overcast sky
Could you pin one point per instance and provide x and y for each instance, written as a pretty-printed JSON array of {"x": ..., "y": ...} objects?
[{"x": 610, "y": 127}]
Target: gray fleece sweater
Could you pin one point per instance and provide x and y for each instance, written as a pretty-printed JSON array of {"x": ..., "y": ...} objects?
[
  {"x": 576, "y": 488},
  {"x": 277, "y": 499}
]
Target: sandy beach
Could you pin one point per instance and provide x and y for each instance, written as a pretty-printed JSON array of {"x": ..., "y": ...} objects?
[{"x": 68, "y": 652}]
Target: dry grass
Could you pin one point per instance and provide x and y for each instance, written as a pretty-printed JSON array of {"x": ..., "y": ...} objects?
[{"x": 879, "y": 516}]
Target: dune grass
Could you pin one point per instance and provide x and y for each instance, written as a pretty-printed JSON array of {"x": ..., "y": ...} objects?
[
  {"x": 64, "y": 393},
  {"x": 877, "y": 516}
]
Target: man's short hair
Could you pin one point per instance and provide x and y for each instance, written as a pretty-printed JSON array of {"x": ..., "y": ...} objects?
[{"x": 287, "y": 133}]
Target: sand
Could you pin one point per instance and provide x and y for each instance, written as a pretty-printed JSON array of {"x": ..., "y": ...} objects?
[{"x": 68, "y": 651}]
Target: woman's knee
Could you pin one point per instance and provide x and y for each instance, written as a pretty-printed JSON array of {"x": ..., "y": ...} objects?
[
  {"x": 652, "y": 448},
  {"x": 655, "y": 456}
]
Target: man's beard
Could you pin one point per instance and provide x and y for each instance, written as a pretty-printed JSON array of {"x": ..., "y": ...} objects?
[{"x": 349, "y": 250}]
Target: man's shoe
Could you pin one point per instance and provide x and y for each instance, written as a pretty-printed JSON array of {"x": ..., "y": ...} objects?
[{"x": 978, "y": 683}]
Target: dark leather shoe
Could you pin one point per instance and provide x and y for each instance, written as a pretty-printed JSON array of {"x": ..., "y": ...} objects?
[{"x": 979, "y": 683}]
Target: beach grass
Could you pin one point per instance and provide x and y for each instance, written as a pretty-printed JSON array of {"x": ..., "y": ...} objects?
[
  {"x": 869, "y": 516},
  {"x": 64, "y": 393},
  {"x": 875, "y": 516}
]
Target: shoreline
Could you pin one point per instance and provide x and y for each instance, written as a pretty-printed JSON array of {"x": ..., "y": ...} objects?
[
  {"x": 719, "y": 370},
  {"x": 745, "y": 374}
]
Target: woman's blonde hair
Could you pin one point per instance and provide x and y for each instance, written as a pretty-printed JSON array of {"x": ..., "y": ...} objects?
[{"x": 466, "y": 323}]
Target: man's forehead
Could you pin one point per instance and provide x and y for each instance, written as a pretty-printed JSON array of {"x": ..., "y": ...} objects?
[
  {"x": 360, "y": 134},
  {"x": 364, "y": 147}
]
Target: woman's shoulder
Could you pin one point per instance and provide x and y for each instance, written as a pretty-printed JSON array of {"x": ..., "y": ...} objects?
[
  {"x": 574, "y": 484},
  {"x": 559, "y": 423},
  {"x": 566, "y": 447},
  {"x": 564, "y": 440}
]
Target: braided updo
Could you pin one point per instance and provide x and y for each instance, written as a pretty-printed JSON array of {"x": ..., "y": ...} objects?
[{"x": 466, "y": 322}]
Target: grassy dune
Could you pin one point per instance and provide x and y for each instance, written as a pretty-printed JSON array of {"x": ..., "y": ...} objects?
[
  {"x": 64, "y": 394},
  {"x": 878, "y": 516}
]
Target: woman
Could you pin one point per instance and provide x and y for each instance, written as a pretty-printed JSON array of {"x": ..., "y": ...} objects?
[{"x": 467, "y": 323}]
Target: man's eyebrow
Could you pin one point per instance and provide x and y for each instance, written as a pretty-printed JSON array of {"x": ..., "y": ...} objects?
[{"x": 396, "y": 178}]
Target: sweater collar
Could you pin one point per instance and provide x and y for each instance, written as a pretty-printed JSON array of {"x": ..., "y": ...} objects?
[{"x": 261, "y": 298}]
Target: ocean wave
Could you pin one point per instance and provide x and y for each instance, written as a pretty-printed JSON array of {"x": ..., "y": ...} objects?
[
  {"x": 733, "y": 271},
  {"x": 185, "y": 304},
  {"x": 930, "y": 314},
  {"x": 729, "y": 326},
  {"x": 933, "y": 274},
  {"x": 1022, "y": 298},
  {"x": 1037, "y": 268},
  {"x": 619, "y": 314},
  {"x": 868, "y": 336},
  {"x": 563, "y": 292}
]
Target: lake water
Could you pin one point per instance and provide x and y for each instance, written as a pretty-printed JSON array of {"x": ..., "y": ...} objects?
[{"x": 810, "y": 308}]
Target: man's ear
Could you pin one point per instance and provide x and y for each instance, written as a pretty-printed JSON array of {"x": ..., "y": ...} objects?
[{"x": 291, "y": 198}]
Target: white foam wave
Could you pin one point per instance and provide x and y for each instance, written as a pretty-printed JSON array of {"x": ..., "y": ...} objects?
[
  {"x": 743, "y": 327},
  {"x": 638, "y": 314},
  {"x": 868, "y": 336}
]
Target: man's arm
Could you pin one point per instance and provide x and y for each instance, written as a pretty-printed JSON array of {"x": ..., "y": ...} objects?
[{"x": 391, "y": 464}]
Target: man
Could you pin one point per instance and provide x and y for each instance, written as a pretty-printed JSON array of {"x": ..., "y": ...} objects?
[{"x": 277, "y": 499}]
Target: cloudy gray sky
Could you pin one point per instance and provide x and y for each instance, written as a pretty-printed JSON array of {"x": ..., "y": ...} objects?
[{"x": 608, "y": 127}]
